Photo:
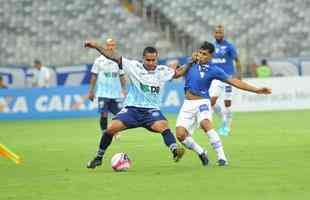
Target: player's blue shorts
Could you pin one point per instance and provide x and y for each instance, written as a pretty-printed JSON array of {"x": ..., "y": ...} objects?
[
  {"x": 133, "y": 117},
  {"x": 109, "y": 105}
]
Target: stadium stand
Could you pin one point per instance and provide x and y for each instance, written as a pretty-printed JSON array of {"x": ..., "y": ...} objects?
[
  {"x": 266, "y": 28},
  {"x": 54, "y": 31}
]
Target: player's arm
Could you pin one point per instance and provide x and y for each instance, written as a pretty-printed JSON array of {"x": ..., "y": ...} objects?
[
  {"x": 123, "y": 81},
  {"x": 182, "y": 70},
  {"x": 47, "y": 78},
  {"x": 247, "y": 87},
  {"x": 102, "y": 50},
  {"x": 92, "y": 84}
]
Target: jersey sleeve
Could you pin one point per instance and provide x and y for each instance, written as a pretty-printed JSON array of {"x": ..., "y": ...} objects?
[
  {"x": 95, "y": 67},
  {"x": 233, "y": 51},
  {"x": 167, "y": 73},
  {"x": 220, "y": 74},
  {"x": 126, "y": 65}
]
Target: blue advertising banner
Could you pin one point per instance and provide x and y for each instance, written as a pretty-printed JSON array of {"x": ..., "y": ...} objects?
[
  {"x": 57, "y": 102},
  {"x": 62, "y": 102}
]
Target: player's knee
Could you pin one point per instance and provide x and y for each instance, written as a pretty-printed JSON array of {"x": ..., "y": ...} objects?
[
  {"x": 104, "y": 115},
  {"x": 160, "y": 126},
  {"x": 181, "y": 133},
  {"x": 227, "y": 103},
  {"x": 213, "y": 101},
  {"x": 206, "y": 125},
  {"x": 115, "y": 127}
]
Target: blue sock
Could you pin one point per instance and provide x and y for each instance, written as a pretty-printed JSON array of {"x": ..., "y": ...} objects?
[
  {"x": 169, "y": 139},
  {"x": 105, "y": 142}
]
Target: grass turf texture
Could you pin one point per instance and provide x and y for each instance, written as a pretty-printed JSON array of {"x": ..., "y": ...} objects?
[{"x": 268, "y": 154}]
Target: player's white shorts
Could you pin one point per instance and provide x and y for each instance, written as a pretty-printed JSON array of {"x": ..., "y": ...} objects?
[
  {"x": 193, "y": 112},
  {"x": 219, "y": 88}
]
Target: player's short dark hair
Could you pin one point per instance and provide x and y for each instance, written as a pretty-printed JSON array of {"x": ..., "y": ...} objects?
[
  {"x": 37, "y": 61},
  {"x": 207, "y": 46},
  {"x": 149, "y": 50}
]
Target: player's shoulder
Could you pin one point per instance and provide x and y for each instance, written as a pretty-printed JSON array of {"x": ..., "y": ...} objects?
[
  {"x": 214, "y": 67},
  {"x": 130, "y": 61},
  {"x": 101, "y": 57},
  {"x": 133, "y": 64},
  {"x": 229, "y": 43},
  {"x": 45, "y": 69}
]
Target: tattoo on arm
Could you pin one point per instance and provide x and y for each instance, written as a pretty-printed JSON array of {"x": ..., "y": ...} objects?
[
  {"x": 182, "y": 70},
  {"x": 112, "y": 56}
]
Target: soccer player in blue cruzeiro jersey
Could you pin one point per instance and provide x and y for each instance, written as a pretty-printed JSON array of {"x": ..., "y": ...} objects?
[
  {"x": 109, "y": 82},
  {"x": 196, "y": 109},
  {"x": 141, "y": 105},
  {"x": 224, "y": 56}
]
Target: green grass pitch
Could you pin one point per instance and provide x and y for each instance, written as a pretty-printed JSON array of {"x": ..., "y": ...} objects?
[{"x": 269, "y": 154}]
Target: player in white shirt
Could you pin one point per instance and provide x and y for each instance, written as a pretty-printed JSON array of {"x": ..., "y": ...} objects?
[
  {"x": 42, "y": 75},
  {"x": 141, "y": 106},
  {"x": 109, "y": 82}
]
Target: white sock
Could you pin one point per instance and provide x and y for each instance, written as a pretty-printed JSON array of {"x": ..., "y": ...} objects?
[
  {"x": 216, "y": 144},
  {"x": 218, "y": 110},
  {"x": 190, "y": 143},
  {"x": 227, "y": 117}
]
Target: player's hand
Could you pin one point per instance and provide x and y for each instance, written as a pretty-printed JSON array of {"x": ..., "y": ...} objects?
[
  {"x": 264, "y": 90},
  {"x": 91, "y": 95},
  {"x": 89, "y": 44},
  {"x": 195, "y": 56}
]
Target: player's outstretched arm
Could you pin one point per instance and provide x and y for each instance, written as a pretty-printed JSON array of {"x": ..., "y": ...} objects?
[
  {"x": 181, "y": 71},
  {"x": 102, "y": 50},
  {"x": 245, "y": 86}
]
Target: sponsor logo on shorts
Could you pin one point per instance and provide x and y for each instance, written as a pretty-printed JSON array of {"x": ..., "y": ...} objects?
[
  {"x": 228, "y": 88},
  {"x": 155, "y": 114},
  {"x": 101, "y": 104},
  {"x": 203, "y": 107},
  {"x": 124, "y": 110}
]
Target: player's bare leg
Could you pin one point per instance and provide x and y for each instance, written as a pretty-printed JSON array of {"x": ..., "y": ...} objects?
[{"x": 106, "y": 139}]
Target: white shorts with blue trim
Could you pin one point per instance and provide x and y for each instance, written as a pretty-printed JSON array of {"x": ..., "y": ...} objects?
[
  {"x": 220, "y": 89},
  {"x": 192, "y": 113}
]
